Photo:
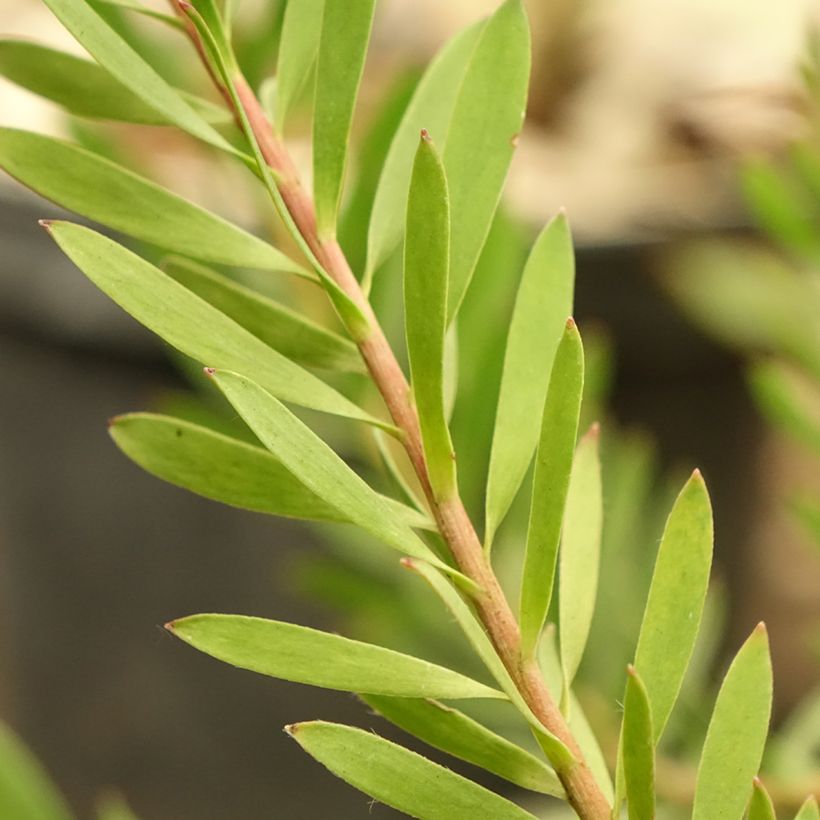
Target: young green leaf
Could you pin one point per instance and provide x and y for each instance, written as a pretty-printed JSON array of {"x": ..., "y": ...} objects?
[
  {"x": 293, "y": 335},
  {"x": 761, "y": 806},
  {"x": 676, "y": 597},
  {"x": 302, "y": 655},
  {"x": 343, "y": 45},
  {"x": 737, "y": 733},
  {"x": 430, "y": 108},
  {"x": 124, "y": 64},
  {"x": 809, "y": 810},
  {"x": 451, "y": 731},
  {"x": 426, "y": 261},
  {"x": 98, "y": 189},
  {"x": 26, "y": 793},
  {"x": 225, "y": 469},
  {"x": 557, "y": 752},
  {"x": 190, "y": 324},
  {"x": 317, "y": 466},
  {"x": 299, "y": 44},
  {"x": 543, "y": 302},
  {"x": 486, "y": 120},
  {"x": 580, "y": 554},
  {"x": 638, "y": 750},
  {"x": 83, "y": 88},
  {"x": 398, "y": 777},
  {"x": 553, "y": 464}
]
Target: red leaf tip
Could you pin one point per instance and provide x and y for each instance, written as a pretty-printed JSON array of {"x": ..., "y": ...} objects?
[
  {"x": 210, "y": 372},
  {"x": 425, "y": 135},
  {"x": 291, "y": 729},
  {"x": 570, "y": 323},
  {"x": 760, "y": 629},
  {"x": 45, "y": 223},
  {"x": 408, "y": 563},
  {"x": 170, "y": 626}
]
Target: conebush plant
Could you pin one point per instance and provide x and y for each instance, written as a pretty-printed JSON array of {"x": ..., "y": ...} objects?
[{"x": 433, "y": 206}]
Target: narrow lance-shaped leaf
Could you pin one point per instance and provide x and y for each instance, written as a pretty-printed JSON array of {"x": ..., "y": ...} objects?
[
  {"x": 303, "y": 655},
  {"x": 553, "y": 464},
  {"x": 84, "y": 88},
  {"x": 398, "y": 777},
  {"x": 638, "y": 750},
  {"x": 285, "y": 330},
  {"x": 317, "y": 466},
  {"x": 430, "y": 108},
  {"x": 580, "y": 554},
  {"x": 225, "y": 469},
  {"x": 190, "y": 324},
  {"x": 543, "y": 302},
  {"x": 98, "y": 189},
  {"x": 26, "y": 792},
  {"x": 809, "y": 810},
  {"x": 737, "y": 733},
  {"x": 123, "y": 63},
  {"x": 761, "y": 806},
  {"x": 299, "y": 43},
  {"x": 343, "y": 45},
  {"x": 457, "y": 734},
  {"x": 676, "y": 597},
  {"x": 426, "y": 261},
  {"x": 481, "y": 138}
]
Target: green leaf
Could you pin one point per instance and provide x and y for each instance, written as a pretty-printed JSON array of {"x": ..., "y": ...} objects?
[
  {"x": 298, "y": 46},
  {"x": 114, "y": 807},
  {"x": 398, "y": 777},
  {"x": 486, "y": 120},
  {"x": 451, "y": 731},
  {"x": 302, "y": 655},
  {"x": 85, "y": 89},
  {"x": 761, "y": 806},
  {"x": 346, "y": 26},
  {"x": 190, "y": 324},
  {"x": 557, "y": 752},
  {"x": 809, "y": 810},
  {"x": 553, "y": 463},
  {"x": 98, "y": 189},
  {"x": 225, "y": 469},
  {"x": 638, "y": 750},
  {"x": 318, "y": 467},
  {"x": 26, "y": 792},
  {"x": 124, "y": 64},
  {"x": 543, "y": 302},
  {"x": 580, "y": 554},
  {"x": 430, "y": 108},
  {"x": 676, "y": 597},
  {"x": 292, "y": 334},
  {"x": 426, "y": 260},
  {"x": 737, "y": 733}
]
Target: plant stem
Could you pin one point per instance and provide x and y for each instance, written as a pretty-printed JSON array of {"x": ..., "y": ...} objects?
[{"x": 583, "y": 792}]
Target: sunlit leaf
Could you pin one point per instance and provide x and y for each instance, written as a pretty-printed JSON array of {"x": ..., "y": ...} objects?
[
  {"x": 737, "y": 733},
  {"x": 542, "y": 305},
  {"x": 457, "y": 734},
  {"x": 426, "y": 260},
  {"x": 84, "y": 88},
  {"x": 398, "y": 777},
  {"x": 94, "y": 187},
  {"x": 299, "y": 44},
  {"x": 317, "y": 466},
  {"x": 553, "y": 463},
  {"x": 676, "y": 597},
  {"x": 761, "y": 806},
  {"x": 430, "y": 108},
  {"x": 190, "y": 324},
  {"x": 638, "y": 750},
  {"x": 481, "y": 138},
  {"x": 343, "y": 45},
  {"x": 26, "y": 792},
  {"x": 225, "y": 469},
  {"x": 114, "y": 54},
  {"x": 303, "y": 655},
  {"x": 285, "y": 330}
]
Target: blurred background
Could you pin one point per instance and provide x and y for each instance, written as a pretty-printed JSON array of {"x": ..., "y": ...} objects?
[{"x": 682, "y": 138}]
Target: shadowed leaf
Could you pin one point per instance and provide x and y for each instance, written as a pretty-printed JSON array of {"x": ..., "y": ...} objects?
[{"x": 638, "y": 750}]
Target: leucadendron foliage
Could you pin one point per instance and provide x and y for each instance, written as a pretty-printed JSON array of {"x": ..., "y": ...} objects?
[{"x": 433, "y": 204}]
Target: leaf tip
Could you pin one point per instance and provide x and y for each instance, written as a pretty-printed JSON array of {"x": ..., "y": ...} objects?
[
  {"x": 425, "y": 135},
  {"x": 631, "y": 671},
  {"x": 570, "y": 325},
  {"x": 45, "y": 223},
  {"x": 291, "y": 729},
  {"x": 761, "y": 630},
  {"x": 171, "y": 626},
  {"x": 210, "y": 372},
  {"x": 408, "y": 563}
]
